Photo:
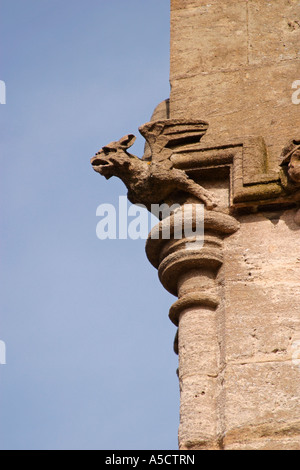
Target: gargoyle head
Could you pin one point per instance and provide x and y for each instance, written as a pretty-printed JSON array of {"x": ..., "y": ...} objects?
[
  {"x": 113, "y": 158},
  {"x": 291, "y": 161}
]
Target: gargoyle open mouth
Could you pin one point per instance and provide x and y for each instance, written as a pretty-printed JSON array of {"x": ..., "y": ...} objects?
[
  {"x": 102, "y": 165},
  {"x": 96, "y": 161}
]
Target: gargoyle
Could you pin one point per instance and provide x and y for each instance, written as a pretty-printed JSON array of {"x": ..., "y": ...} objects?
[
  {"x": 291, "y": 166},
  {"x": 147, "y": 182}
]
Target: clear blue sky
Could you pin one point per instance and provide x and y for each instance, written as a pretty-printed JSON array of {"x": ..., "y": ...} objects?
[{"x": 90, "y": 363}]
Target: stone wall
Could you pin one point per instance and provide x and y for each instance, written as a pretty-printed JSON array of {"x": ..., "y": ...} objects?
[{"x": 233, "y": 64}]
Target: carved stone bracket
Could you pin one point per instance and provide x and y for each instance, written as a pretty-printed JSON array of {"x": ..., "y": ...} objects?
[
  {"x": 194, "y": 275},
  {"x": 185, "y": 269}
]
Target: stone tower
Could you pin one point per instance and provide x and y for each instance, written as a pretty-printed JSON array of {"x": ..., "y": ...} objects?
[{"x": 229, "y": 139}]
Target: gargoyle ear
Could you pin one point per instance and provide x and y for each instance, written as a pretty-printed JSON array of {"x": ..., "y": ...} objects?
[{"x": 127, "y": 141}]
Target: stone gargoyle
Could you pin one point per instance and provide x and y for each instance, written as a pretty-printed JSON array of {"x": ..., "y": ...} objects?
[
  {"x": 290, "y": 176},
  {"x": 147, "y": 182},
  {"x": 291, "y": 163}
]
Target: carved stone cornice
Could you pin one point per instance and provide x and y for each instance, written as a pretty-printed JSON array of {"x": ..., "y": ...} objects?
[
  {"x": 181, "y": 162},
  {"x": 253, "y": 181}
]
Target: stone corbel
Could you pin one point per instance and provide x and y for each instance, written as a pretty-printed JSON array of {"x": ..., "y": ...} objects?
[{"x": 188, "y": 268}]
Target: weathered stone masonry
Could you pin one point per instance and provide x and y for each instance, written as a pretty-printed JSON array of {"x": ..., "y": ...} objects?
[{"x": 229, "y": 138}]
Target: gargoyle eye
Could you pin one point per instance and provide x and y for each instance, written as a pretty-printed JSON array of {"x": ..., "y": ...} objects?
[{"x": 106, "y": 150}]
